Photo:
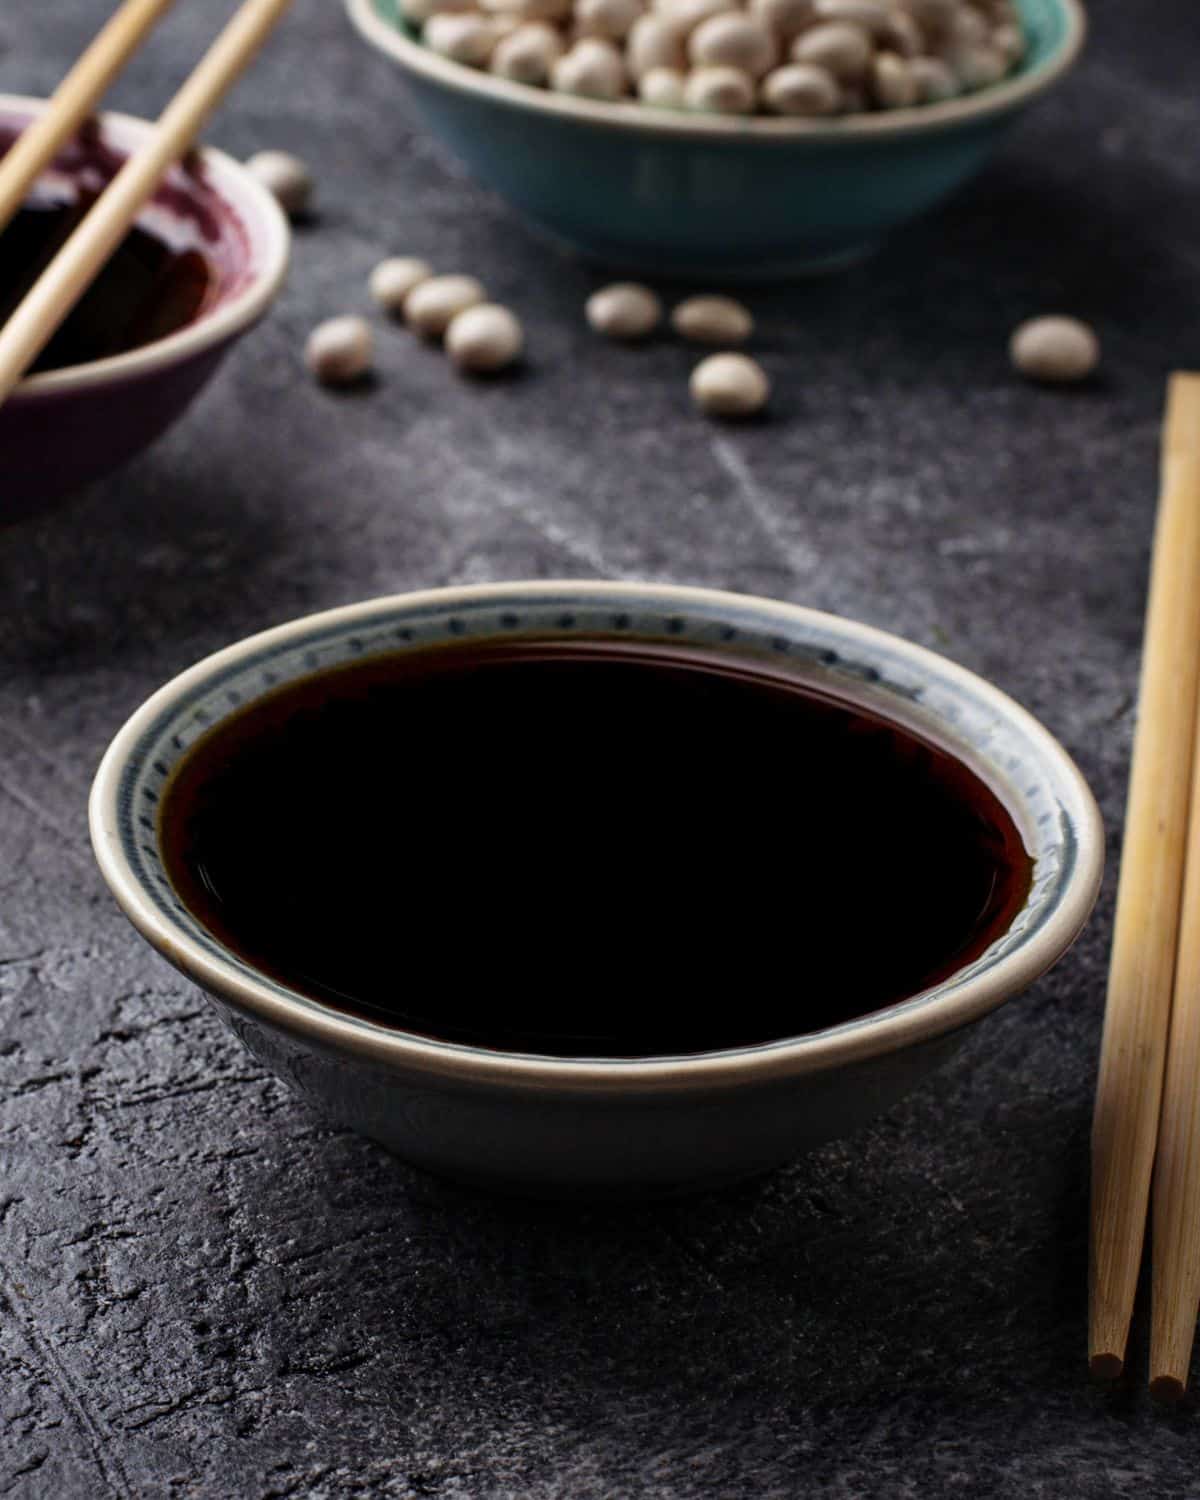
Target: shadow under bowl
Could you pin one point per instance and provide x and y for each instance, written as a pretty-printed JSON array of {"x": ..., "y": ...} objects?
[
  {"x": 608, "y": 1127},
  {"x": 64, "y": 427},
  {"x": 664, "y": 193}
]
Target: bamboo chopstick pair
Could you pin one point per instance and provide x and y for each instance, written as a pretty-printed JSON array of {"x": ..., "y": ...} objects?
[
  {"x": 1147, "y": 1120},
  {"x": 81, "y": 259}
]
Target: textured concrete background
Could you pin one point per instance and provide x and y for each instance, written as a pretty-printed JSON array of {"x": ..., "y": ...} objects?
[{"x": 205, "y": 1291}]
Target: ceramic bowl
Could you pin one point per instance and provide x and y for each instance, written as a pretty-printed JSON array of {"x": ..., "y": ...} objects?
[
  {"x": 64, "y": 427},
  {"x": 567, "y": 1126},
  {"x": 663, "y": 193}
]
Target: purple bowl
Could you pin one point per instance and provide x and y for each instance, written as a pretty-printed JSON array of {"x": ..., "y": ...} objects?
[{"x": 67, "y": 426}]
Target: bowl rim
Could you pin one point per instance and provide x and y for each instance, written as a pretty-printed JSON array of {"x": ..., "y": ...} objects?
[
  {"x": 265, "y": 223},
  {"x": 920, "y": 1019},
  {"x": 925, "y": 119}
]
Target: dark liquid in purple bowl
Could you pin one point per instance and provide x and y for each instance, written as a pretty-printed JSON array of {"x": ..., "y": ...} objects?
[
  {"x": 148, "y": 289},
  {"x": 588, "y": 848}
]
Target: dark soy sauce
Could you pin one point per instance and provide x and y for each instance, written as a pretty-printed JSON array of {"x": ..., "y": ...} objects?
[
  {"x": 588, "y": 849},
  {"x": 146, "y": 291}
]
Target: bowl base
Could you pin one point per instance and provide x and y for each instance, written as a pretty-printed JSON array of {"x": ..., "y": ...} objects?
[
  {"x": 703, "y": 270},
  {"x": 616, "y": 1192}
]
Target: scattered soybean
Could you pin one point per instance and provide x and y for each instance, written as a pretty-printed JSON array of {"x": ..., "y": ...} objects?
[
  {"x": 624, "y": 310},
  {"x": 340, "y": 350},
  {"x": 730, "y": 385}
]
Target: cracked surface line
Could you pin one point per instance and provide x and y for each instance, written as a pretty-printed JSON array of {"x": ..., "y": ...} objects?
[{"x": 95, "y": 1433}]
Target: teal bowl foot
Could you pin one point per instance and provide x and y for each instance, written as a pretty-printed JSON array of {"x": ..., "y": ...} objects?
[{"x": 728, "y": 271}]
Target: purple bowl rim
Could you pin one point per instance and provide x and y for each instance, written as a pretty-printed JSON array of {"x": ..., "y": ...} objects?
[{"x": 264, "y": 223}]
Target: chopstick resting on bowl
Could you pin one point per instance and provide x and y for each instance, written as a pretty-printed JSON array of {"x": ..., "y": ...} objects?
[
  {"x": 74, "y": 99},
  {"x": 47, "y": 304},
  {"x": 1146, "y": 983}
]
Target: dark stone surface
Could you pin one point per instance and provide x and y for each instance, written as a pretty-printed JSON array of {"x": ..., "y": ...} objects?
[{"x": 205, "y": 1291}]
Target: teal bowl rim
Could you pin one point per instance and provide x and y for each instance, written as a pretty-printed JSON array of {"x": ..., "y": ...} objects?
[
  {"x": 969, "y": 109},
  {"x": 1041, "y": 783}
]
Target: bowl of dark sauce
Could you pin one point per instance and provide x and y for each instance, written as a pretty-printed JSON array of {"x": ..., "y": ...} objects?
[
  {"x": 197, "y": 270},
  {"x": 595, "y": 888}
]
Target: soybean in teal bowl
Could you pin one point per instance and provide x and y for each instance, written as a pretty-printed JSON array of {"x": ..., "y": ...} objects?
[{"x": 663, "y": 193}]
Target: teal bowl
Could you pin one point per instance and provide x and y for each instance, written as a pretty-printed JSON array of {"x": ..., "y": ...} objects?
[{"x": 663, "y": 193}]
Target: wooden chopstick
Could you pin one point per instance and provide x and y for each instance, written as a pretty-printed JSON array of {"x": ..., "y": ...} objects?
[
  {"x": 1176, "y": 1247},
  {"x": 1145, "y": 939},
  {"x": 74, "y": 100},
  {"x": 77, "y": 264}
]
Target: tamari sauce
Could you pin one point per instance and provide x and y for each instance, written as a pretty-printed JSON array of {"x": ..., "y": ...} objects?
[
  {"x": 147, "y": 290},
  {"x": 588, "y": 848}
]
